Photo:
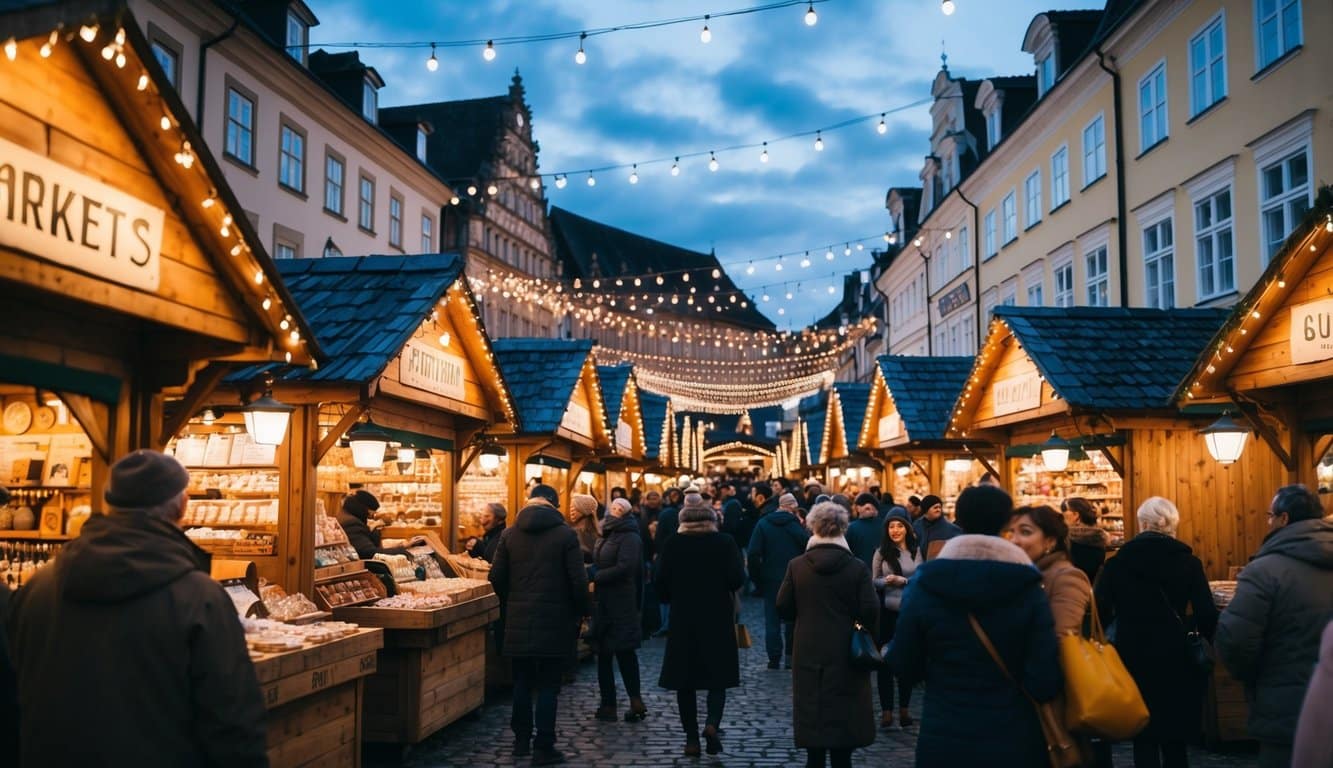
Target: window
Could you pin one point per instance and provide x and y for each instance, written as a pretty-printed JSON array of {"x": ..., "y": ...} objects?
[
  {"x": 395, "y": 221},
  {"x": 1213, "y": 245},
  {"x": 1152, "y": 108},
  {"x": 1208, "y": 66},
  {"x": 168, "y": 55},
  {"x": 427, "y": 234},
  {"x": 1064, "y": 284},
  {"x": 993, "y": 128},
  {"x": 1032, "y": 199},
  {"x": 284, "y": 251},
  {"x": 1045, "y": 74},
  {"x": 1034, "y": 295},
  {"x": 334, "y": 169},
  {"x": 240, "y": 127},
  {"x": 1059, "y": 177},
  {"x": 291, "y": 159},
  {"x": 1094, "y": 150},
  {"x": 1284, "y": 195},
  {"x": 991, "y": 247},
  {"x": 988, "y": 301},
  {"x": 297, "y": 37},
  {"x": 1009, "y": 210},
  {"x": 1159, "y": 265},
  {"x": 1278, "y": 27},
  {"x": 421, "y": 144},
  {"x": 964, "y": 250},
  {"x": 1099, "y": 279},
  {"x": 366, "y": 204},
  {"x": 370, "y": 101},
  {"x": 1010, "y": 294}
]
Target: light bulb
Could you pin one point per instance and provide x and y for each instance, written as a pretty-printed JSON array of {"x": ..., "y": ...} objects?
[
  {"x": 11, "y": 49},
  {"x": 536, "y": 183},
  {"x": 819, "y": 141},
  {"x": 830, "y": 290},
  {"x": 46, "y": 50},
  {"x": 432, "y": 63},
  {"x": 716, "y": 273},
  {"x": 88, "y": 32},
  {"x": 763, "y": 156},
  {"x": 749, "y": 270},
  {"x": 805, "y": 262},
  {"x": 267, "y": 303},
  {"x": 471, "y": 190},
  {"x": 712, "y": 162},
  {"x": 489, "y": 53},
  {"x": 765, "y": 297},
  {"x": 890, "y": 238},
  {"x": 492, "y": 190},
  {"x": 581, "y": 57},
  {"x": 917, "y": 242},
  {"x": 165, "y": 122},
  {"x": 120, "y": 59},
  {"x": 295, "y": 335},
  {"x": 675, "y": 167},
  {"x": 108, "y": 50},
  {"x": 455, "y": 200},
  {"x": 829, "y": 254},
  {"x": 948, "y": 7},
  {"x": 143, "y": 81},
  {"x": 592, "y": 180},
  {"x": 285, "y": 323},
  {"x": 847, "y": 251},
  {"x": 661, "y": 280},
  {"x": 948, "y": 235},
  {"x": 883, "y": 127},
  {"x": 705, "y": 34},
  {"x": 259, "y": 277},
  {"x": 778, "y": 267},
  {"x": 634, "y": 175},
  {"x": 811, "y": 18}
]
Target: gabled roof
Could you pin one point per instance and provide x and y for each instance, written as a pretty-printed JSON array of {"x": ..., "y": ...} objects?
[
  {"x": 814, "y": 411},
  {"x": 924, "y": 390},
  {"x": 1075, "y": 31},
  {"x": 854, "y": 397},
  {"x": 1112, "y": 358},
  {"x": 588, "y": 249},
  {"x": 614, "y": 379},
  {"x": 542, "y": 375},
  {"x": 362, "y": 310},
  {"x": 655, "y": 408},
  {"x": 466, "y": 133}
]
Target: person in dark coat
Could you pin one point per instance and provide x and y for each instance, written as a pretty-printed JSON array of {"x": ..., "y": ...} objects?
[
  {"x": 484, "y": 548},
  {"x": 764, "y": 500},
  {"x": 826, "y": 592},
  {"x": 543, "y": 589},
  {"x": 618, "y": 579},
  {"x": 973, "y": 714},
  {"x": 1313, "y": 745},
  {"x": 1268, "y": 636},
  {"x": 700, "y": 570},
  {"x": 932, "y": 530},
  {"x": 866, "y": 530},
  {"x": 777, "y": 539},
  {"x": 1143, "y": 594},
  {"x": 1087, "y": 540},
  {"x": 127, "y": 651},
  {"x": 9, "y": 695},
  {"x": 731, "y": 511},
  {"x": 362, "y": 533}
]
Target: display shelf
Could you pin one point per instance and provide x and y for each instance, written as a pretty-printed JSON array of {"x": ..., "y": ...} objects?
[{"x": 32, "y": 536}]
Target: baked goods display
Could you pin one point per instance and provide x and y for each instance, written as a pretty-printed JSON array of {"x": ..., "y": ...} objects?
[
  {"x": 258, "y": 481},
  {"x": 414, "y": 602},
  {"x": 270, "y": 636},
  {"x": 232, "y": 541},
  {"x": 351, "y": 589},
  {"x": 401, "y": 567},
  {"x": 231, "y": 512}
]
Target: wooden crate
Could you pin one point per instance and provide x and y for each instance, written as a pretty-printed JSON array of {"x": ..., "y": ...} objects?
[{"x": 410, "y": 618}]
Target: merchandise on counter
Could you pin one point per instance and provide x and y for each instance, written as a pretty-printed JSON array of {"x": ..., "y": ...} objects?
[
  {"x": 334, "y": 554},
  {"x": 270, "y": 636},
  {"x": 349, "y": 589},
  {"x": 288, "y": 607},
  {"x": 1223, "y": 592},
  {"x": 259, "y": 481},
  {"x": 327, "y": 531},
  {"x": 424, "y": 557},
  {"x": 231, "y": 541},
  {"x": 19, "y": 560},
  {"x": 232, "y": 512},
  {"x": 402, "y": 568},
  {"x": 415, "y": 602}
]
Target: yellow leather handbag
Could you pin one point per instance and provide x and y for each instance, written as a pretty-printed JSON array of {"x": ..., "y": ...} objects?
[{"x": 1101, "y": 699}]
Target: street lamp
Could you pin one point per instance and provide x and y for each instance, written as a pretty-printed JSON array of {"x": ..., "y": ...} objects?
[
  {"x": 1225, "y": 439},
  {"x": 1055, "y": 453}
]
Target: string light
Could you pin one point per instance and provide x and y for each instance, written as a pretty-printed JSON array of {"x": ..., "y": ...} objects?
[
  {"x": 819, "y": 141},
  {"x": 883, "y": 127},
  {"x": 492, "y": 189},
  {"x": 432, "y": 63},
  {"x": 634, "y": 179},
  {"x": 829, "y": 254},
  {"x": 143, "y": 82},
  {"x": 805, "y": 262},
  {"x": 580, "y": 57},
  {"x": 675, "y": 167},
  {"x": 811, "y": 18},
  {"x": 88, "y": 32},
  {"x": 705, "y": 34},
  {"x": 11, "y": 49},
  {"x": 592, "y": 180},
  {"x": 489, "y": 52},
  {"x": 749, "y": 269},
  {"x": 165, "y": 122},
  {"x": 763, "y": 156},
  {"x": 561, "y": 181},
  {"x": 948, "y": 7},
  {"x": 712, "y": 162}
]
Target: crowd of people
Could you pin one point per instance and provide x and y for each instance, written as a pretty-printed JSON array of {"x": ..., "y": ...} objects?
[{"x": 969, "y": 610}]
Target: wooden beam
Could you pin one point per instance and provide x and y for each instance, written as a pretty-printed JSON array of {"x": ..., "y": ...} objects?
[
  {"x": 1112, "y": 460},
  {"x": 1255, "y": 420},
  {"x": 326, "y": 442},
  {"x": 980, "y": 457},
  {"x": 1321, "y": 445},
  {"x": 95, "y": 418},
  {"x": 205, "y": 382}
]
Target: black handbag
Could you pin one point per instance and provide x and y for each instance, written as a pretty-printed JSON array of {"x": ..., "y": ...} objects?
[
  {"x": 1197, "y": 653},
  {"x": 865, "y": 653}
]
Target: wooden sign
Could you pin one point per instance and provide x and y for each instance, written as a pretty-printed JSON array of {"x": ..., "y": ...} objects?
[
  {"x": 56, "y": 213},
  {"x": 1017, "y": 393},
  {"x": 432, "y": 370},
  {"x": 1312, "y": 331},
  {"x": 890, "y": 428},
  {"x": 624, "y": 437},
  {"x": 577, "y": 419}
]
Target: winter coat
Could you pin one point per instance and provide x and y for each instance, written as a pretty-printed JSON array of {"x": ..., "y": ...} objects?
[
  {"x": 128, "y": 653},
  {"x": 928, "y": 531},
  {"x": 972, "y": 714},
  {"x": 777, "y": 539},
  {"x": 880, "y": 569},
  {"x": 366, "y": 542},
  {"x": 698, "y": 571},
  {"x": 619, "y": 584},
  {"x": 1150, "y": 640},
  {"x": 538, "y": 575},
  {"x": 1268, "y": 636},
  {"x": 9, "y": 694},
  {"x": 825, "y": 592},
  {"x": 1313, "y": 747},
  {"x": 667, "y": 522},
  {"x": 1067, "y": 590},
  {"x": 863, "y": 536},
  {"x": 486, "y": 545},
  {"x": 1087, "y": 549}
]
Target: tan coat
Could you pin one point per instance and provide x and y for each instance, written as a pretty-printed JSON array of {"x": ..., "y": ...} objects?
[{"x": 1067, "y": 589}]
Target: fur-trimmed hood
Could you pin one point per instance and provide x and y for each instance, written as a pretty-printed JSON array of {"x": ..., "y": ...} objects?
[
  {"x": 1089, "y": 535},
  {"x": 978, "y": 571},
  {"x": 971, "y": 546}
]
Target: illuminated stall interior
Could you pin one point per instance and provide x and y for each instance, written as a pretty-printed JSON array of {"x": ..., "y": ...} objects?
[
  {"x": 811, "y": 415},
  {"x": 658, "y": 422}
]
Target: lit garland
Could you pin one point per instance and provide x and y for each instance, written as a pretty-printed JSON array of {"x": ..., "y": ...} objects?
[{"x": 709, "y": 397}]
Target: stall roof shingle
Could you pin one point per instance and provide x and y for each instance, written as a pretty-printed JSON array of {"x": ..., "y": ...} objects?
[
  {"x": 854, "y": 397},
  {"x": 541, "y": 374},
  {"x": 924, "y": 390},
  {"x": 654, "y": 408},
  {"x": 362, "y": 310},
  {"x": 614, "y": 380},
  {"x": 813, "y": 411},
  {"x": 1113, "y": 357}
]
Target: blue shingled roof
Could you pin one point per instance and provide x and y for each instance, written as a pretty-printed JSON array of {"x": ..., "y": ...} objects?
[
  {"x": 854, "y": 398},
  {"x": 1113, "y": 357},
  {"x": 614, "y": 379},
  {"x": 924, "y": 389},
  {"x": 541, "y": 374},
  {"x": 814, "y": 411},
  {"x": 759, "y": 418},
  {"x": 654, "y": 408},
  {"x": 362, "y": 310}
]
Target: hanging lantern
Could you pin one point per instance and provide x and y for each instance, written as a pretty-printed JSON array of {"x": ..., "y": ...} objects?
[
  {"x": 902, "y": 468},
  {"x": 368, "y": 443},
  {"x": 490, "y": 457},
  {"x": 266, "y": 420},
  {"x": 1225, "y": 439},
  {"x": 1055, "y": 453},
  {"x": 407, "y": 454}
]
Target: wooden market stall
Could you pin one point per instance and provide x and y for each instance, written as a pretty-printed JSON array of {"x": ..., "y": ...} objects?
[
  {"x": 810, "y": 416},
  {"x": 625, "y": 465},
  {"x": 562, "y": 423},
  {"x": 658, "y": 424},
  {"x": 1270, "y": 366},
  {"x": 851, "y": 470},
  {"x": 905, "y": 424},
  {"x": 1103, "y": 380}
]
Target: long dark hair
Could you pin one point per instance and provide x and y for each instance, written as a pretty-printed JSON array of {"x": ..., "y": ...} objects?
[{"x": 890, "y": 551}]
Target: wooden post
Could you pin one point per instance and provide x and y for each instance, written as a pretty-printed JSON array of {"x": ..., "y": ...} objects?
[{"x": 298, "y": 491}]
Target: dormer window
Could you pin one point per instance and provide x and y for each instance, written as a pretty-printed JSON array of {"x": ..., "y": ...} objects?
[
  {"x": 993, "y": 134},
  {"x": 1045, "y": 74},
  {"x": 298, "y": 37},
  {"x": 421, "y": 143},
  {"x": 370, "y": 101}
]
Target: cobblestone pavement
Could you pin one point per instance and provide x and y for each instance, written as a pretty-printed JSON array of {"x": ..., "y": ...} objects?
[{"x": 756, "y": 726}]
